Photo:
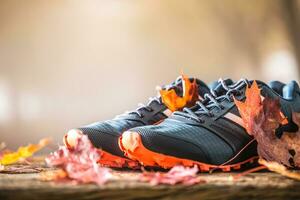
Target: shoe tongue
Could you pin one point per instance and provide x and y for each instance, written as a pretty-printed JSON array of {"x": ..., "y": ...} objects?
[
  {"x": 202, "y": 88},
  {"x": 176, "y": 86},
  {"x": 219, "y": 89}
]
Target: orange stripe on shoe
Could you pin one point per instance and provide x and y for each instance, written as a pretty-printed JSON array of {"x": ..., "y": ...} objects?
[
  {"x": 131, "y": 144},
  {"x": 235, "y": 119},
  {"x": 168, "y": 112}
]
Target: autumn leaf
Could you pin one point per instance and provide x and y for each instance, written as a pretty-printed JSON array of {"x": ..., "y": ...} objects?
[
  {"x": 281, "y": 169},
  {"x": 189, "y": 97},
  {"x": 261, "y": 119},
  {"x": 78, "y": 164},
  {"x": 23, "y": 152},
  {"x": 178, "y": 174},
  {"x": 251, "y": 107}
]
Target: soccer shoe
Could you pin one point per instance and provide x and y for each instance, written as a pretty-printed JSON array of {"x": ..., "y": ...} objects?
[
  {"x": 104, "y": 135},
  {"x": 211, "y": 134}
]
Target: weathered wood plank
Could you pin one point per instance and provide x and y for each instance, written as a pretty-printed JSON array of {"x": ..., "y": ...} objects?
[{"x": 125, "y": 186}]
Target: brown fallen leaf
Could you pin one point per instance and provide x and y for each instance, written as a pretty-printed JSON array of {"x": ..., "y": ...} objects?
[
  {"x": 189, "y": 97},
  {"x": 261, "y": 119},
  {"x": 281, "y": 169},
  {"x": 251, "y": 107}
]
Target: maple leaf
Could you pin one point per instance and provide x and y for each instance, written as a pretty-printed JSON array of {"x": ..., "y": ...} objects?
[
  {"x": 262, "y": 118},
  {"x": 8, "y": 158},
  {"x": 189, "y": 97},
  {"x": 251, "y": 107},
  {"x": 79, "y": 163},
  {"x": 178, "y": 174}
]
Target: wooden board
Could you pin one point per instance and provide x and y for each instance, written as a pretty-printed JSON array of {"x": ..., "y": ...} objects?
[{"x": 124, "y": 185}]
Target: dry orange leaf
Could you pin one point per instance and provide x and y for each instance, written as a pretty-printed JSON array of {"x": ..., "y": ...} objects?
[
  {"x": 251, "y": 107},
  {"x": 189, "y": 97},
  {"x": 23, "y": 152},
  {"x": 261, "y": 119}
]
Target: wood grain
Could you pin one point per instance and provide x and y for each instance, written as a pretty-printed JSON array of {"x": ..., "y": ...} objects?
[{"x": 124, "y": 185}]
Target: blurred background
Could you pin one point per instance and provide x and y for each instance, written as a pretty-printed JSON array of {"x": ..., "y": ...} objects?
[{"x": 66, "y": 63}]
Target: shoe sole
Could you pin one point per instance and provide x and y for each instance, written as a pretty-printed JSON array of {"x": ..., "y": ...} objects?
[
  {"x": 110, "y": 160},
  {"x": 131, "y": 144}
]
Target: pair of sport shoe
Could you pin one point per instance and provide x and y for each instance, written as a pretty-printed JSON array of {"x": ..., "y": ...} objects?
[{"x": 188, "y": 124}]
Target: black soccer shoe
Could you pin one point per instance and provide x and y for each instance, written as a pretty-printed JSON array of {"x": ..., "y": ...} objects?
[
  {"x": 211, "y": 134},
  {"x": 105, "y": 135}
]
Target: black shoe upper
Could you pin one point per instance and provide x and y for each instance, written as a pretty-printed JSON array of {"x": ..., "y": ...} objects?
[
  {"x": 105, "y": 134},
  {"x": 205, "y": 133}
]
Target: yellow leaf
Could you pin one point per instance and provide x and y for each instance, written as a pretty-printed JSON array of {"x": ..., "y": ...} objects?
[{"x": 23, "y": 152}]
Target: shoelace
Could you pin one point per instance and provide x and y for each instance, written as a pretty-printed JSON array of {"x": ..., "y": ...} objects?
[
  {"x": 212, "y": 101},
  {"x": 157, "y": 99}
]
